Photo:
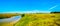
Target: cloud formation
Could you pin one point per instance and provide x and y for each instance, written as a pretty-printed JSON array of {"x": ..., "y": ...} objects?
[
  {"x": 33, "y": 11},
  {"x": 53, "y": 7}
]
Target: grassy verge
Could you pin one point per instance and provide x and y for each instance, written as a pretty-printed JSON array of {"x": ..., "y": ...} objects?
[{"x": 39, "y": 20}]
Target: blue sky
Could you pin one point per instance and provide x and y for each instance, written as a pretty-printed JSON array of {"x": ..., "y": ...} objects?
[{"x": 29, "y": 5}]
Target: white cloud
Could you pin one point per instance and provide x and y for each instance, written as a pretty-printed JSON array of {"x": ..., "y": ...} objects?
[
  {"x": 33, "y": 11},
  {"x": 53, "y": 7}
]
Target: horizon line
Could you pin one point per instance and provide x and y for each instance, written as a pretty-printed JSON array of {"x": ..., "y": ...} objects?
[{"x": 27, "y": 12}]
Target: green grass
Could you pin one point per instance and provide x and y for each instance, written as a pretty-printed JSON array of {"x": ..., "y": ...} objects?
[
  {"x": 39, "y": 20},
  {"x": 36, "y": 19}
]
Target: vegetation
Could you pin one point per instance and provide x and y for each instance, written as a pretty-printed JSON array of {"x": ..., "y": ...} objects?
[
  {"x": 55, "y": 12},
  {"x": 39, "y": 19},
  {"x": 8, "y": 15}
]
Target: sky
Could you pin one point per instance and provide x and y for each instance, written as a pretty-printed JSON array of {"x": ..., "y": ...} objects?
[{"x": 29, "y": 5}]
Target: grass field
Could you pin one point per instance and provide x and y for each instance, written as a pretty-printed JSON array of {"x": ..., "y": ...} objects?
[{"x": 39, "y": 20}]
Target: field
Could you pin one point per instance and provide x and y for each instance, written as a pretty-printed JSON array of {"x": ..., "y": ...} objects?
[{"x": 37, "y": 20}]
